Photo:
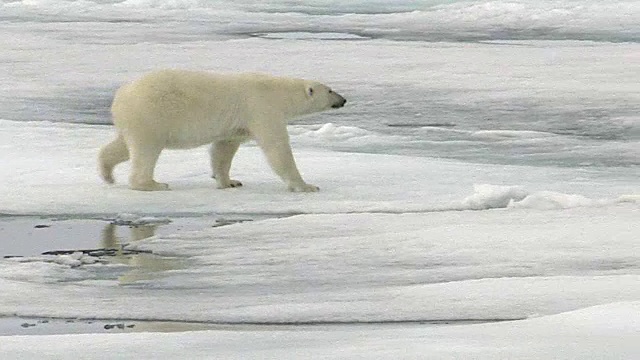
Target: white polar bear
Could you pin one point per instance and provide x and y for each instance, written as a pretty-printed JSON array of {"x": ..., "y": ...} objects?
[{"x": 179, "y": 109}]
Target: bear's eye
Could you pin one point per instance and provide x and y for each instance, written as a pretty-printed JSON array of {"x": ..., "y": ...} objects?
[
  {"x": 330, "y": 91},
  {"x": 310, "y": 91}
]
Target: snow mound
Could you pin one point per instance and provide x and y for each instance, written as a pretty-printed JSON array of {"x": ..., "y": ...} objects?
[
  {"x": 330, "y": 134},
  {"x": 621, "y": 318},
  {"x": 549, "y": 200},
  {"x": 631, "y": 198},
  {"x": 331, "y": 131},
  {"x": 488, "y": 196}
]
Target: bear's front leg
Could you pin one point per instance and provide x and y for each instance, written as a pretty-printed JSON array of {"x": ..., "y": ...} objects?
[
  {"x": 222, "y": 153},
  {"x": 273, "y": 139}
]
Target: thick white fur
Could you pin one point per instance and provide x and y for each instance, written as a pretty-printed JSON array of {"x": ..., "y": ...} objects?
[{"x": 178, "y": 109}]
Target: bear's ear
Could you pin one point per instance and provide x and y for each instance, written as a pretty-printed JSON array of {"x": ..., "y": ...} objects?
[{"x": 309, "y": 91}]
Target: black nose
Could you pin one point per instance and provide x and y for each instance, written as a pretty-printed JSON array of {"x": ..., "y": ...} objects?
[{"x": 340, "y": 103}]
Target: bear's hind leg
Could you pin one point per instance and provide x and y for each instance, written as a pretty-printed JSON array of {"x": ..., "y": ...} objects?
[
  {"x": 143, "y": 163},
  {"x": 222, "y": 153},
  {"x": 111, "y": 155}
]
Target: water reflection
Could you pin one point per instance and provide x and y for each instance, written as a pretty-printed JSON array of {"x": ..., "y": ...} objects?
[
  {"x": 111, "y": 240},
  {"x": 144, "y": 266}
]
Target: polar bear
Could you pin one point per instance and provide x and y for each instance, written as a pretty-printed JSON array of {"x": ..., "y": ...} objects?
[{"x": 180, "y": 109}]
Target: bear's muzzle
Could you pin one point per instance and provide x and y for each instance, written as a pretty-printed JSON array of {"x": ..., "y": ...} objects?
[{"x": 339, "y": 103}]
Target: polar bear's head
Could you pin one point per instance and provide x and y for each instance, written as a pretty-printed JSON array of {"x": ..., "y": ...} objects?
[{"x": 320, "y": 97}]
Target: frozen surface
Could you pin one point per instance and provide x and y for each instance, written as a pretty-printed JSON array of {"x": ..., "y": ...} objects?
[
  {"x": 498, "y": 264},
  {"x": 601, "y": 332},
  {"x": 560, "y": 103},
  {"x": 400, "y": 20},
  {"x": 65, "y": 181},
  {"x": 485, "y": 168},
  {"x": 385, "y": 237}
]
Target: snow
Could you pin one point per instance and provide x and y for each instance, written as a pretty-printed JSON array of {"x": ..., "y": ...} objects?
[
  {"x": 500, "y": 264},
  {"x": 489, "y": 197},
  {"x": 310, "y": 36},
  {"x": 601, "y": 332},
  {"x": 534, "y": 102},
  {"x": 479, "y": 196},
  {"x": 69, "y": 185},
  {"x": 429, "y": 19},
  {"x": 389, "y": 239},
  {"x": 137, "y": 220}
]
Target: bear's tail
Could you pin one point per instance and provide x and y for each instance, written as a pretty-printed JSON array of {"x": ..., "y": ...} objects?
[{"x": 111, "y": 155}]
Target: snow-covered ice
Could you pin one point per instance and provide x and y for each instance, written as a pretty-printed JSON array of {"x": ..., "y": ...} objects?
[
  {"x": 485, "y": 168},
  {"x": 406, "y": 240},
  {"x": 37, "y": 185},
  {"x": 501, "y": 264},
  {"x": 601, "y": 332}
]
